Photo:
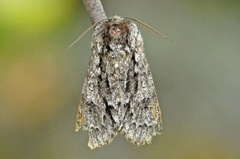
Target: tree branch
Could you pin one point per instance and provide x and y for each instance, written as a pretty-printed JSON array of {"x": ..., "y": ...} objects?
[{"x": 95, "y": 10}]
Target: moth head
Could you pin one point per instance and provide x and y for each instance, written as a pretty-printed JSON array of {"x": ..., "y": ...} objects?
[{"x": 117, "y": 28}]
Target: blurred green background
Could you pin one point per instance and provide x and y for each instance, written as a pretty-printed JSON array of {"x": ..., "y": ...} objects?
[{"x": 197, "y": 77}]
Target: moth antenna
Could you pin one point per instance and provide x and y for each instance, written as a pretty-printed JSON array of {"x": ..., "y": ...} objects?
[
  {"x": 85, "y": 32},
  {"x": 148, "y": 26}
]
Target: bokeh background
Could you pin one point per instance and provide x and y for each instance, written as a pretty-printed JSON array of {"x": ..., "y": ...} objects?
[{"x": 197, "y": 77}]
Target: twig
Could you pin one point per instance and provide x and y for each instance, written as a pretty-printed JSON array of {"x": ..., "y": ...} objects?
[{"x": 95, "y": 10}]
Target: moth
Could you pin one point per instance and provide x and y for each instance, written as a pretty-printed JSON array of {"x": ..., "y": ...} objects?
[{"x": 118, "y": 94}]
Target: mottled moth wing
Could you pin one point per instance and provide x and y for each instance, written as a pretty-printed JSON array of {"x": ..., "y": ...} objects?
[{"x": 118, "y": 94}]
